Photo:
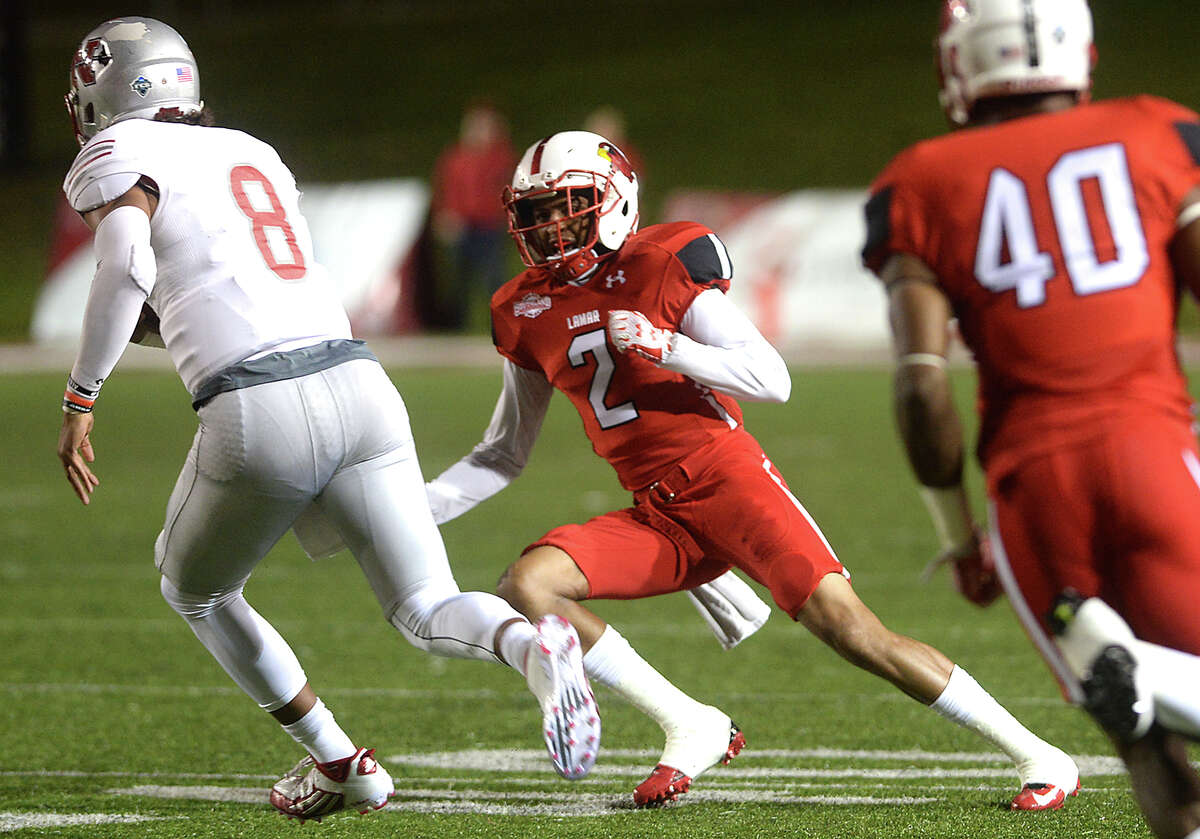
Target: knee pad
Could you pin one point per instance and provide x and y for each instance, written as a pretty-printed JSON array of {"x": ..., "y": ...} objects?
[
  {"x": 196, "y": 607},
  {"x": 440, "y": 619},
  {"x": 413, "y": 614}
]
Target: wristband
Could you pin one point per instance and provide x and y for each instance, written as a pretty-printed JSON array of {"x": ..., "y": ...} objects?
[
  {"x": 928, "y": 359},
  {"x": 78, "y": 399},
  {"x": 951, "y": 515},
  {"x": 1189, "y": 214}
]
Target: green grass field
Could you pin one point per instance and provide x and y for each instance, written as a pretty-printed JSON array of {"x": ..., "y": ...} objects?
[{"x": 109, "y": 708}]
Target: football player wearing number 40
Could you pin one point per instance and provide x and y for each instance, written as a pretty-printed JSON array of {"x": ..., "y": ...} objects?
[
  {"x": 1059, "y": 232},
  {"x": 635, "y": 329},
  {"x": 298, "y": 422}
]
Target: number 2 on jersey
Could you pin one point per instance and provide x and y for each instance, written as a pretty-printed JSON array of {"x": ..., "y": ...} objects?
[
  {"x": 263, "y": 221},
  {"x": 1008, "y": 220},
  {"x": 593, "y": 344}
]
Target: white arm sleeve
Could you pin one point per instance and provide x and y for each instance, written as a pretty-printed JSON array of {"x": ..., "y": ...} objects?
[
  {"x": 505, "y": 448},
  {"x": 719, "y": 347},
  {"x": 125, "y": 272}
]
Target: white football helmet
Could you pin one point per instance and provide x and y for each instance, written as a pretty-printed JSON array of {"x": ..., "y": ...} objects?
[
  {"x": 571, "y": 164},
  {"x": 131, "y": 68},
  {"x": 1010, "y": 47}
]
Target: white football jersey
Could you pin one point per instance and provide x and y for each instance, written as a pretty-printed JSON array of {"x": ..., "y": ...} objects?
[{"x": 236, "y": 274}]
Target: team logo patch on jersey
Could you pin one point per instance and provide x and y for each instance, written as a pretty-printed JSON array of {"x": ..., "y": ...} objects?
[
  {"x": 141, "y": 86},
  {"x": 531, "y": 305}
]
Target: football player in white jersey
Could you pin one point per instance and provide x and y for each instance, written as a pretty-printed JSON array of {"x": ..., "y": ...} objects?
[{"x": 200, "y": 244}]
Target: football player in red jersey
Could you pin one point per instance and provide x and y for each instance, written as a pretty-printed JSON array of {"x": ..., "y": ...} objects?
[
  {"x": 635, "y": 329},
  {"x": 1059, "y": 232}
]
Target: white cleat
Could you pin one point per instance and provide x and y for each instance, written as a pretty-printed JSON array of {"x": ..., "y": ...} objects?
[
  {"x": 313, "y": 790},
  {"x": 570, "y": 718},
  {"x": 693, "y": 746},
  {"x": 1046, "y": 781},
  {"x": 1099, "y": 648}
]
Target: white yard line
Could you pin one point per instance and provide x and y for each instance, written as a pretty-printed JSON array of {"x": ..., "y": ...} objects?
[
  {"x": 10, "y": 822},
  {"x": 530, "y": 790}
]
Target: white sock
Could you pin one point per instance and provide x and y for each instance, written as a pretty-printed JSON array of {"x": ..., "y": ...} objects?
[
  {"x": 514, "y": 644},
  {"x": 964, "y": 702},
  {"x": 615, "y": 664},
  {"x": 318, "y": 732},
  {"x": 1174, "y": 676}
]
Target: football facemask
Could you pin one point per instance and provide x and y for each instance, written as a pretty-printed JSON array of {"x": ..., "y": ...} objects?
[
  {"x": 595, "y": 190},
  {"x": 552, "y": 225}
]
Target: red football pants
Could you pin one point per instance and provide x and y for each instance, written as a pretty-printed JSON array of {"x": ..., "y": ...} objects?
[
  {"x": 1116, "y": 517},
  {"x": 723, "y": 505}
]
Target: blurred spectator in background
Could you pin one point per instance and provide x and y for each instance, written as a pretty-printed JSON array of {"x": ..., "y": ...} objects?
[
  {"x": 468, "y": 219},
  {"x": 609, "y": 122}
]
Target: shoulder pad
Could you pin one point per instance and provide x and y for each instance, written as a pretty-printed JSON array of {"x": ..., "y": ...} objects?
[
  {"x": 701, "y": 253},
  {"x": 879, "y": 227},
  {"x": 1189, "y": 132},
  {"x": 706, "y": 260},
  {"x": 103, "y": 170}
]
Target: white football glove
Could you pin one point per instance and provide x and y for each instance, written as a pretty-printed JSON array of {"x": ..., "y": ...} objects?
[{"x": 632, "y": 331}]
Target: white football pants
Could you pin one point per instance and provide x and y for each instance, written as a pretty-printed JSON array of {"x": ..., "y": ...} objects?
[{"x": 260, "y": 457}]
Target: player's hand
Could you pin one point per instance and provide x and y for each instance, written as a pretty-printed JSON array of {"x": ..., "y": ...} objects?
[
  {"x": 974, "y": 569},
  {"x": 632, "y": 331},
  {"x": 75, "y": 452}
]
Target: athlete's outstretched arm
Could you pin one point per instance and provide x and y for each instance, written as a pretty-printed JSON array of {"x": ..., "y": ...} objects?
[{"x": 505, "y": 448}]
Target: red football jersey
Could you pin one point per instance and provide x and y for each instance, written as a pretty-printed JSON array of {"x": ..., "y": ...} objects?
[
  {"x": 639, "y": 417},
  {"x": 1049, "y": 234}
]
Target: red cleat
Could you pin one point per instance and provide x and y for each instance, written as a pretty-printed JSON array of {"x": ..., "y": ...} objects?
[
  {"x": 1042, "y": 797},
  {"x": 667, "y": 783}
]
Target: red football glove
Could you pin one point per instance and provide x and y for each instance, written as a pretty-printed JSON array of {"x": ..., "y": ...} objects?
[
  {"x": 974, "y": 570},
  {"x": 632, "y": 331}
]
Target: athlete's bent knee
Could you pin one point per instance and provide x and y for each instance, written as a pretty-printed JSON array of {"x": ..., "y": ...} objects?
[
  {"x": 538, "y": 580},
  {"x": 192, "y": 606}
]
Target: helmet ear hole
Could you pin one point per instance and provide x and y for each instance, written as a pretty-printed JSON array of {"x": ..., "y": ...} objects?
[{"x": 89, "y": 113}]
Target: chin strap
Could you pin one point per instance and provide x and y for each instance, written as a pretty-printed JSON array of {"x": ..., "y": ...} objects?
[{"x": 580, "y": 266}]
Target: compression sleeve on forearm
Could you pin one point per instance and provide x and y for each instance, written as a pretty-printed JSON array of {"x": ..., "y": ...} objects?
[
  {"x": 125, "y": 272},
  {"x": 719, "y": 347},
  {"x": 505, "y": 448}
]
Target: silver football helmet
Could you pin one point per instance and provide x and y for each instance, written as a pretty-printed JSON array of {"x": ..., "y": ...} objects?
[
  {"x": 992, "y": 48},
  {"x": 131, "y": 68},
  {"x": 597, "y": 185}
]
